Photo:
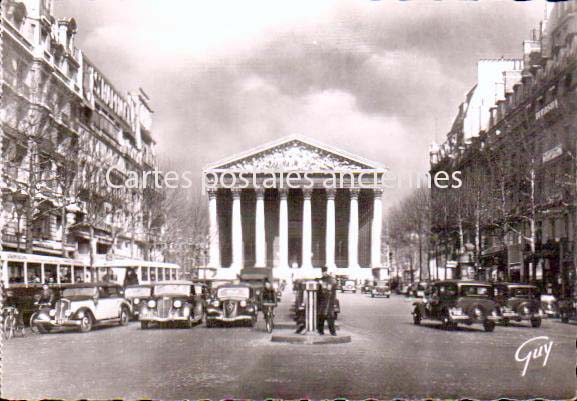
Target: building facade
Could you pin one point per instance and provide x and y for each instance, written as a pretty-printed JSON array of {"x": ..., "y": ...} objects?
[
  {"x": 294, "y": 206},
  {"x": 514, "y": 217},
  {"x": 63, "y": 125}
]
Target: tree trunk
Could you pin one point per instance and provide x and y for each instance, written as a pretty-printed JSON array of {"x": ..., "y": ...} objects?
[
  {"x": 64, "y": 236},
  {"x": 30, "y": 199},
  {"x": 93, "y": 274}
]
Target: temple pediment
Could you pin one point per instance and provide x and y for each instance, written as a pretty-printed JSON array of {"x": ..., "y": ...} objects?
[{"x": 294, "y": 153}]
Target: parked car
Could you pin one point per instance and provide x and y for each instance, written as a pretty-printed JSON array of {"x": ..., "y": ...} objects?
[
  {"x": 549, "y": 305},
  {"x": 84, "y": 305},
  {"x": 136, "y": 295},
  {"x": 349, "y": 285},
  {"x": 381, "y": 288},
  {"x": 568, "y": 309},
  {"x": 519, "y": 302},
  {"x": 232, "y": 303},
  {"x": 172, "y": 302},
  {"x": 457, "y": 301}
]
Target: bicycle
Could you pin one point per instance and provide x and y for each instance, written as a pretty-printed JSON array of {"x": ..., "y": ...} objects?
[
  {"x": 268, "y": 312},
  {"x": 12, "y": 323}
]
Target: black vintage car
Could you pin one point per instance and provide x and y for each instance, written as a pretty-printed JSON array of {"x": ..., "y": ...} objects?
[
  {"x": 519, "y": 302},
  {"x": 232, "y": 303},
  {"x": 458, "y": 301},
  {"x": 381, "y": 288},
  {"x": 172, "y": 302},
  {"x": 568, "y": 309},
  {"x": 137, "y": 295},
  {"x": 367, "y": 286}
]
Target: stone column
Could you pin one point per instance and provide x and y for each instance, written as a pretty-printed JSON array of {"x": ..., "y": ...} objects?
[
  {"x": 237, "y": 244},
  {"x": 283, "y": 230},
  {"x": 376, "y": 228},
  {"x": 330, "y": 231},
  {"x": 214, "y": 249},
  {"x": 353, "y": 245},
  {"x": 307, "y": 237},
  {"x": 260, "y": 230}
]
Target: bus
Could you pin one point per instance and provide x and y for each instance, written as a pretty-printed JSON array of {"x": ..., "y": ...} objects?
[{"x": 21, "y": 269}]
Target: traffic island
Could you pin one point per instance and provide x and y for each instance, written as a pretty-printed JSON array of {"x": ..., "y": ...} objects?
[{"x": 310, "y": 338}]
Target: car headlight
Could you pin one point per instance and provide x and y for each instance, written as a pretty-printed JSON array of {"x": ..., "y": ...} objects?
[
  {"x": 177, "y": 303},
  {"x": 136, "y": 301},
  {"x": 215, "y": 303},
  {"x": 526, "y": 310},
  {"x": 495, "y": 312},
  {"x": 68, "y": 313},
  {"x": 243, "y": 303},
  {"x": 52, "y": 313},
  {"x": 151, "y": 303}
]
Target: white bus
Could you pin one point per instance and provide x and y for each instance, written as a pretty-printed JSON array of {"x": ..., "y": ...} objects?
[{"x": 23, "y": 269}]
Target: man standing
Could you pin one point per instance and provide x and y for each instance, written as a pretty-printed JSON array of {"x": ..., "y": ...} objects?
[{"x": 327, "y": 296}]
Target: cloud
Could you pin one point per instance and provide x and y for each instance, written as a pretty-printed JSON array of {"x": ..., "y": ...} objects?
[{"x": 378, "y": 78}]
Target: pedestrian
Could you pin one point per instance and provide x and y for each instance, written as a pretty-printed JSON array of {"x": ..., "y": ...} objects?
[
  {"x": 300, "y": 315},
  {"x": 326, "y": 301}
]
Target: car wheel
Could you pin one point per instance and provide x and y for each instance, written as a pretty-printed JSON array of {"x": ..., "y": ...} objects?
[
  {"x": 564, "y": 317},
  {"x": 86, "y": 322},
  {"x": 417, "y": 317},
  {"x": 535, "y": 323},
  {"x": 144, "y": 325},
  {"x": 8, "y": 327},
  {"x": 124, "y": 316},
  {"x": 489, "y": 326},
  {"x": 253, "y": 322},
  {"x": 372, "y": 295}
]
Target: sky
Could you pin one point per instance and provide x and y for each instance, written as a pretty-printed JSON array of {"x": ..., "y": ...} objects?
[{"x": 381, "y": 79}]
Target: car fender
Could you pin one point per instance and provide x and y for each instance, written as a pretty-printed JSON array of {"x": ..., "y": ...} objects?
[{"x": 80, "y": 312}]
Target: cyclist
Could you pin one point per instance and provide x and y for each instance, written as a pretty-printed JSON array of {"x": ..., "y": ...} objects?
[
  {"x": 268, "y": 302},
  {"x": 46, "y": 297}
]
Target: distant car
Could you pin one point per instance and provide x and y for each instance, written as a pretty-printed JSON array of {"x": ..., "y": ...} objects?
[
  {"x": 418, "y": 289},
  {"x": 456, "y": 301},
  {"x": 367, "y": 286},
  {"x": 232, "y": 303},
  {"x": 136, "y": 295},
  {"x": 171, "y": 302},
  {"x": 381, "y": 288},
  {"x": 349, "y": 285},
  {"x": 519, "y": 302},
  {"x": 549, "y": 305},
  {"x": 84, "y": 305},
  {"x": 568, "y": 309}
]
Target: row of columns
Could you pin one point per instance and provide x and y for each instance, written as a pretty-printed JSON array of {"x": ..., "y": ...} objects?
[{"x": 260, "y": 242}]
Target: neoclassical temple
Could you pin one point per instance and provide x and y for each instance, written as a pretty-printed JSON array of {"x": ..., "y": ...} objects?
[{"x": 293, "y": 206}]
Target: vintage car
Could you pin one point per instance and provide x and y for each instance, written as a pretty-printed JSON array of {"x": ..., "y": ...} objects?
[
  {"x": 381, "y": 288},
  {"x": 418, "y": 289},
  {"x": 367, "y": 286},
  {"x": 136, "y": 295},
  {"x": 519, "y": 302},
  {"x": 568, "y": 309},
  {"x": 232, "y": 303},
  {"x": 549, "y": 305},
  {"x": 349, "y": 285},
  {"x": 84, "y": 305},
  {"x": 172, "y": 302},
  {"x": 458, "y": 301}
]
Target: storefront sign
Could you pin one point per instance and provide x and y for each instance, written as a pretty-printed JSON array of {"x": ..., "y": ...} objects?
[{"x": 551, "y": 106}]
